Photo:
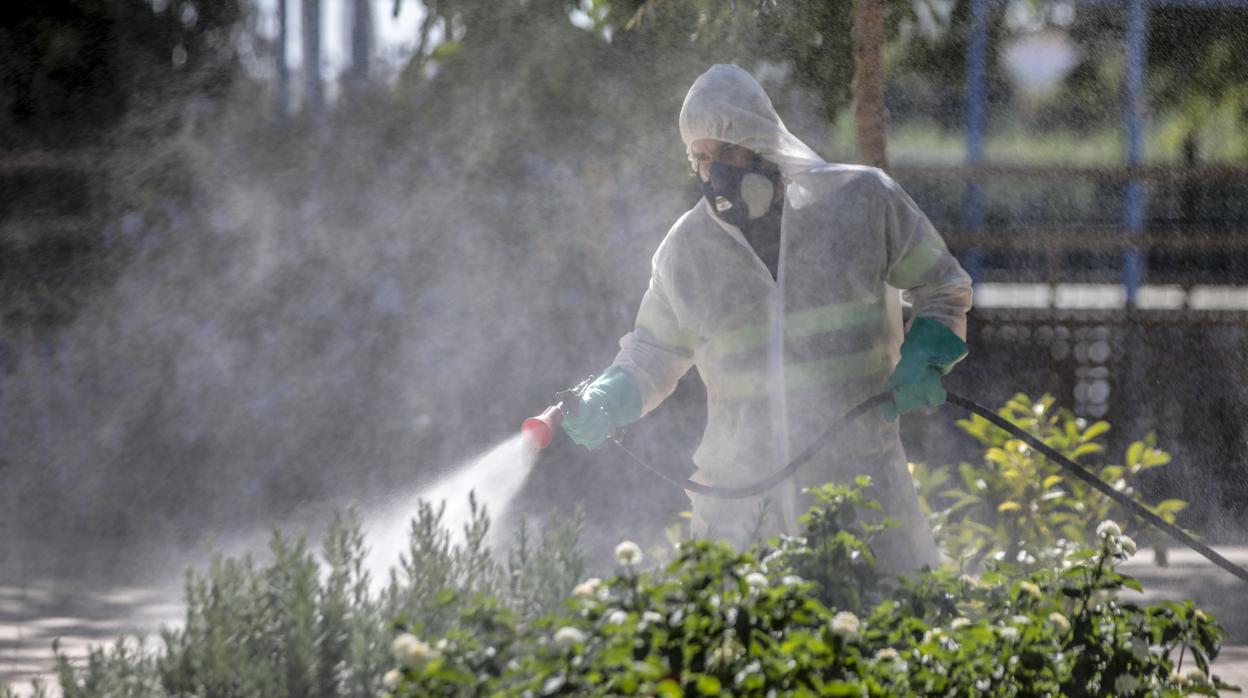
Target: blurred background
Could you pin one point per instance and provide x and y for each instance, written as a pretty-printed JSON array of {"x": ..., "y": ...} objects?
[{"x": 261, "y": 255}]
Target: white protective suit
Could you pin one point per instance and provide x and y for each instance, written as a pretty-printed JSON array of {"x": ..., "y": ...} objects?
[{"x": 782, "y": 359}]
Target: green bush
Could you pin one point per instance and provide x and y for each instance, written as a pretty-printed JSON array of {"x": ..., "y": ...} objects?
[
  {"x": 1017, "y": 505},
  {"x": 298, "y": 627},
  {"x": 792, "y": 616},
  {"x": 717, "y": 621}
]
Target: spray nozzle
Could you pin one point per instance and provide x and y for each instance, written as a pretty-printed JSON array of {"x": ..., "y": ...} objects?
[{"x": 539, "y": 431}]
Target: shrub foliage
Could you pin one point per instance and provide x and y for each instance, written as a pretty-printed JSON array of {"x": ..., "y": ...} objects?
[
  {"x": 1017, "y": 505},
  {"x": 805, "y": 616},
  {"x": 720, "y": 622}
]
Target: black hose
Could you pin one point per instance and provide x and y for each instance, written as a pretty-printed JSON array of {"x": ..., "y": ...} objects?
[
  {"x": 777, "y": 477},
  {"x": 831, "y": 432}
]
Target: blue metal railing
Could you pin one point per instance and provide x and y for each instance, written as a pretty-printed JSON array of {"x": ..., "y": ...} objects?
[{"x": 1134, "y": 193}]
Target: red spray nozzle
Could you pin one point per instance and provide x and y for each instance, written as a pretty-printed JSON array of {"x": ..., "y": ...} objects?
[{"x": 539, "y": 431}]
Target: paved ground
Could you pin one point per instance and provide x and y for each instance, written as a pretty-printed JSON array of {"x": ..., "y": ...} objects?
[
  {"x": 82, "y": 614},
  {"x": 79, "y": 616}
]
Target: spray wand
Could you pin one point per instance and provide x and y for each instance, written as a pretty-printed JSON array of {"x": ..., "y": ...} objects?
[{"x": 539, "y": 431}]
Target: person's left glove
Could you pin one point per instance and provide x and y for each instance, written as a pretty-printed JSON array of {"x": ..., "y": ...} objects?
[
  {"x": 929, "y": 351},
  {"x": 611, "y": 401}
]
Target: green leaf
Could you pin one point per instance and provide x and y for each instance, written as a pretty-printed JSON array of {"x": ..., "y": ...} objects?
[
  {"x": 1169, "y": 506},
  {"x": 996, "y": 455},
  {"x": 669, "y": 689},
  {"x": 1085, "y": 449},
  {"x": 708, "y": 685},
  {"x": 445, "y": 50},
  {"x": 1095, "y": 430},
  {"x": 1153, "y": 458},
  {"x": 1135, "y": 452}
]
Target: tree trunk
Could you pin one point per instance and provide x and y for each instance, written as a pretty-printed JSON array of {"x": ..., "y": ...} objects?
[
  {"x": 361, "y": 42},
  {"x": 313, "y": 95},
  {"x": 279, "y": 57},
  {"x": 870, "y": 116}
]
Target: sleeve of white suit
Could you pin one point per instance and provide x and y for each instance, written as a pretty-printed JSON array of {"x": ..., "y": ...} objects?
[
  {"x": 919, "y": 263},
  {"x": 659, "y": 350}
]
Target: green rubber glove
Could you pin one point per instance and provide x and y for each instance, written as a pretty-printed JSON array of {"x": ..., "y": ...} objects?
[
  {"x": 929, "y": 351},
  {"x": 612, "y": 401}
]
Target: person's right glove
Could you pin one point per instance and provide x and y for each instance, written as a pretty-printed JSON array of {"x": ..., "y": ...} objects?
[
  {"x": 928, "y": 352},
  {"x": 611, "y": 401}
]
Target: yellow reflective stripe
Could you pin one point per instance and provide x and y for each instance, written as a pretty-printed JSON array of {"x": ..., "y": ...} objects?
[
  {"x": 909, "y": 271},
  {"x": 811, "y": 321},
  {"x": 742, "y": 384},
  {"x": 660, "y": 323},
  {"x": 801, "y": 323}
]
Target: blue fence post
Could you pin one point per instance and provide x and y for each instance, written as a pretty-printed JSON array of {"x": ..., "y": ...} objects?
[
  {"x": 976, "y": 118},
  {"x": 1134, "y": 194}
]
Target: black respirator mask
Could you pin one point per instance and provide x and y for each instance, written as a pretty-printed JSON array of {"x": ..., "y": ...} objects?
[{"x": 740, "y": 194}]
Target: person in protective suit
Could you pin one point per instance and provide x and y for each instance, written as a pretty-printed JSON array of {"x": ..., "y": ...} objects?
[{"x": 782, "y": 286}]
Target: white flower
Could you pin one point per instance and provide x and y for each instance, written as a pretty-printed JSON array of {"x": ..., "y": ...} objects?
[
  {"x": 1008, "y": 632},
  {"x": 1104, "y": 596},
  {"x": 617, "y": 617},
  {"x": 756, "y": 580},
  {"x": 567, "y": 636},
  {"x": 1059, "y": 621},
  {"x": 1020, "y": 620},
  {"x": 410, "y": 651},
  {"x": 391, "y": 679},
  {"x": 1029, "y": 588},
  {"x": 1125, "y": 685},
  {"x": 652, "y": 617},
  {"x": 587, "y": 588},
  {"x": 1108, "y": 529},
  {"x": 723, "y": 655},
  {"x": 1197, "y": 676},
  {"x": 1200, "y": 615},
  {"x": 959, "y": 623},
  {"x": 791, "y": 580},
  {"x": 886, "y": 654},
  {"x": 1127, "y": 546},
  {"x": 402, "y": 645},
  {"x": 628, "y": 553},
  {"x": 845, "y": 624},
  {"x": 1177, "y": 679}
]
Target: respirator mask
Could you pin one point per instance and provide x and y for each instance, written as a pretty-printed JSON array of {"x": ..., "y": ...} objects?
[{"x": 740, "y": 194}]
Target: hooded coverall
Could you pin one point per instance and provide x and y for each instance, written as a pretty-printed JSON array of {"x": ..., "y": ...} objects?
[{"x": 784, "y": 357}]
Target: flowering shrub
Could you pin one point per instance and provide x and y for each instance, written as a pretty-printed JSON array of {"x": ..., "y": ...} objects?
[
  {"x": 793, "y": 616},
  {"x": 717, "y": 621},
  {"x": 1021, "y": 507}
]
